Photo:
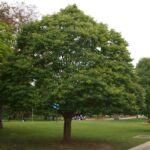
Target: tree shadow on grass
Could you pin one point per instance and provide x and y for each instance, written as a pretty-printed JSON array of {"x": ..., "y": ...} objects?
[{"x": 19, "y": 144}]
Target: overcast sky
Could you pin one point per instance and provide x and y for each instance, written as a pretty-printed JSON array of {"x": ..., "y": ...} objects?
[{"x": 130, "y": 17}]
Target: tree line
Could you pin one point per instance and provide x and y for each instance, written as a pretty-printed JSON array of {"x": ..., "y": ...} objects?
[{"x": 68, "y": 63}]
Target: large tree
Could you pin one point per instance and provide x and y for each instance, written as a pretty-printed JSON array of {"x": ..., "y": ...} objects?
[
  {"x": 143, "y": 71},
  {"x": 6, "y": 43},
  {"x": 79, "y": 65}
]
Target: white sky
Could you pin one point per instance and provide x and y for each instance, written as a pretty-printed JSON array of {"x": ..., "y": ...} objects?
[{"x": 130, "y": 17}]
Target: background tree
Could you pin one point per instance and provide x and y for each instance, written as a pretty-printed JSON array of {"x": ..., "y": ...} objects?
[
  {"x": 18, "y": 87},
  {"x": 79, "y": 65},
  {"x": 17, "y": 14},
  {"x": 12, "y": 16},
  {"x": 143, "y": 71},
  {"x": 6, "y": 43}
]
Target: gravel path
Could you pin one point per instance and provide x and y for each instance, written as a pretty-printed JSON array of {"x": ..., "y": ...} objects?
[{"x": 145, "y": 146}]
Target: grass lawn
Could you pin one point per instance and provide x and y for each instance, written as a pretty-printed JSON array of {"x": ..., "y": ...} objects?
[{"x": 87, "y": 135}]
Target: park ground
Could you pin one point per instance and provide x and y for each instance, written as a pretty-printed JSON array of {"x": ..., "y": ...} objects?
[{"x": 86, "y": 135}]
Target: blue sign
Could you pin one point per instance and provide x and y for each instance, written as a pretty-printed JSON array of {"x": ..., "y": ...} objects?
[{"x": 56, "y": 106}]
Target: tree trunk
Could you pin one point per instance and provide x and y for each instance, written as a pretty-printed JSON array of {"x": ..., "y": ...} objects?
[
  {"x": 67, "y": 129},
  {"x": 116, "y": 117},
  {"x": 148, "y": 117},
  {"x": 1, "y": 121}
]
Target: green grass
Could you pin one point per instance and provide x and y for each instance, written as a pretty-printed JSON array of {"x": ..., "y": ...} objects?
[{"x": 87, "y": 135}]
